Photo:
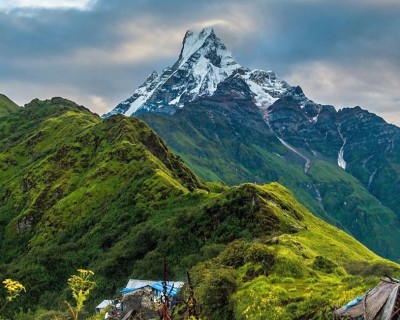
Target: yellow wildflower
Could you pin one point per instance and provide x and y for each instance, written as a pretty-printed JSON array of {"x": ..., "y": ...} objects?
[{"x": 14, "y": 288}]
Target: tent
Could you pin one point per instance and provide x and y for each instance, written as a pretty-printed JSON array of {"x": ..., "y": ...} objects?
[{"x": 379, "y": 303}]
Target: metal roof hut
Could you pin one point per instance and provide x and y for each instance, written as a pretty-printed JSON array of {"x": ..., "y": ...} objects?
[
  {"x": 140, "y": 297},
  {"x": 134, "y": 284},
  {"x": 103, "y": 304},
  {"x": 380, "y": 303}
]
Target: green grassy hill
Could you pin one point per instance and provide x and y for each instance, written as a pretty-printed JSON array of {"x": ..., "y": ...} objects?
[
  {"x": 299, "y": 270},
  {"x": 108, "y": 195},
  {"x": 72, "y": 187},
  {"x": 6, "y": 105}
]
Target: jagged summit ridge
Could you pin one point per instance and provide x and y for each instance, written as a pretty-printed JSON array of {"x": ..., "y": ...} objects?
[
  {"x": 204, "y": 65},
  {"x": 204, "y": 62},
  {"x": 207, "y": 44}
]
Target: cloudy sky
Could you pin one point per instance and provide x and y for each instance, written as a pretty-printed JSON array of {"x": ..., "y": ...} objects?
[{"x": 97, "y": 52}]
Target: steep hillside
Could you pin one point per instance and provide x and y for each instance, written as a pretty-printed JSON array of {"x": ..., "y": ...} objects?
[
  {"x": 300, "y": 272},
  {"x": 6, "y": 105},
  {"x": 225, "y": 138},
  {"x": 360, "y": 142},
  {"x": 81, "y": 192},
  {"x": 63, "y": 173}
]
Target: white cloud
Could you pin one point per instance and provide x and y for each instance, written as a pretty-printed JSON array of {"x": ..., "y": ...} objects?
[
  {"x": 139, "y": 44},
  {"x": 98, "y": 104},
  {"x": 9, "y": 5},
  {"x": 372, "y": 85}
]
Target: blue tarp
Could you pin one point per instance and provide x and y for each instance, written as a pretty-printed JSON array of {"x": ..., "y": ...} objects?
[
  {"x": 127, "y": 290},
  {"x": 171, "y": 291},
  {"x": 354, "y": 302}
]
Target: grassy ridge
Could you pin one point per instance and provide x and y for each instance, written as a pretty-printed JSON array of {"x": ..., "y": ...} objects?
[
  {"x": 108, "y": 195},
  {"x": 301, "y": 270},
  {"x": 67, "y": 172},
  {"x": 7, "y": 106}
]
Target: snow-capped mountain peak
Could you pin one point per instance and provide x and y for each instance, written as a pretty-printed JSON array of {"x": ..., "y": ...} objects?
[
  {"x": 203, "y": 63},
  {"x": 208, "y": 45},
  {"x": 193, "y": 42}
]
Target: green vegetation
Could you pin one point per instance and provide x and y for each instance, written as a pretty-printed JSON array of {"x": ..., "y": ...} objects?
[
  {"x": 108, "y": 195},
  {"x": 229, "y": 142},
  {"x": 301, "y": 274},
  {"x": 80, "y": 285},
  {"x": 7, "y": 106}
]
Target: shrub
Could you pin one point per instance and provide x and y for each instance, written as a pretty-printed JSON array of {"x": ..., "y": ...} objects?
[
  {"x": 324, "y": 264},
  {"x": 289, "y": 267},
  {"x": 234, "y": 254},
  {"x": 258, "y": 253},
  {"x": 365, "y": 269},
  {"x": 214, "y": 288},
  {"x": 288, "y": 280}
]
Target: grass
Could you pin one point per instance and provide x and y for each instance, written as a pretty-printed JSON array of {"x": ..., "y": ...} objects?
[{"x": 7, "y": 106}]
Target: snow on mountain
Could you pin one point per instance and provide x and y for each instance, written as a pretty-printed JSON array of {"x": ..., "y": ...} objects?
[
  {"x": 203, "y": 63},
  {"x": 206, "y": 67},
  {"x": 266, "y": 86}
]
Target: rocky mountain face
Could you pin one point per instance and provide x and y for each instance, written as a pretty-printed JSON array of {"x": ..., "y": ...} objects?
[
  {"x": 342, "y": 164},
  {"x": 361, "y": 143}
]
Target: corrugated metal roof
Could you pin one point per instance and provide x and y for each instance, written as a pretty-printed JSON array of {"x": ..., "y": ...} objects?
[
  {"x": 134, "y": 284},
  {"x": 127, "y": 290},
  {"x": 374, "y": 302},
  {"x": 104, "y": 304}
]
